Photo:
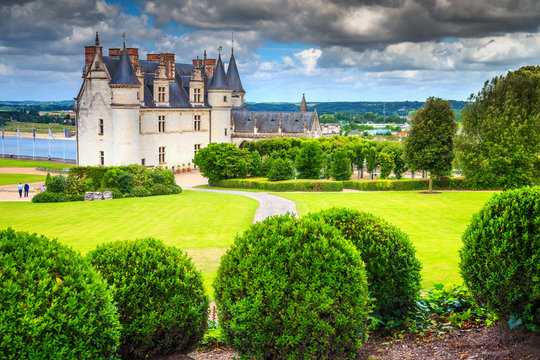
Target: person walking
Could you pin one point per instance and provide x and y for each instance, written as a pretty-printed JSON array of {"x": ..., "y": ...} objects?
[
  {"x": 26, "y": 189},
  {"x": 20, "y": 188}
]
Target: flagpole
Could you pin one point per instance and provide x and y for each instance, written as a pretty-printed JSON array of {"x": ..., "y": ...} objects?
[
  {"x": 64, "y": 145},
  {"x": 34, "y": 144},
  {"x": 18, "y": 152},
  {"x": 2, "y": 141},
  {"x": 49, "y": 157}
]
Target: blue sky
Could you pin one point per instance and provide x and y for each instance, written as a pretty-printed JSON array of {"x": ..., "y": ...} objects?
[{"x": 331, "y": 50}]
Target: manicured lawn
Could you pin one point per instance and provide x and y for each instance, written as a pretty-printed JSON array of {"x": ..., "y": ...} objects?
[
  {"x": 33, "y": 164},
  {"x": 433, "y": 222},
  {"x": 203, "y": 224},
  {"x": 40, "y": 128},
  {"x": 6, "y": 179}
]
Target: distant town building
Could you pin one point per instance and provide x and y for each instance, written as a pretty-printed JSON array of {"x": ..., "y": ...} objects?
[{"x": 157, "y": 112}]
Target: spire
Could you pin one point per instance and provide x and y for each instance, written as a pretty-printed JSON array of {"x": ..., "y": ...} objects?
[
  {"x": 234, "y": 76},
  {"x": 303, "y": 105},
  {"x": 97, "y": 39},
  {"x": 219, "y": 80},
  {"x": 125, "y": 75}
]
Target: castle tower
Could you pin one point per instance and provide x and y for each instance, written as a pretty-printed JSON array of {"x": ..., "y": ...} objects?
[
  {"x": 220, "y": 99},
  {"x": 235, "y": 82},
  {"x": 303, "y": 104},
  {"x": 124, "y": 113}
]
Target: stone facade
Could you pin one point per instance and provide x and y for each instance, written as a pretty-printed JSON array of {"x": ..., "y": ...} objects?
[{"x": 157, "y": 112}]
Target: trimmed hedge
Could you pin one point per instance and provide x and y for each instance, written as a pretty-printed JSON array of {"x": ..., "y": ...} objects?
[
  {"x": 288, "y": 185},
  {"x": 392, "y": 269},
  {"x": 48, "y": 197},
  {"x": 159, "y": 294},
  {"x": 500, "y": 258},
  {"x": 54, "y": 305},
  {"x": 292, "y": 289},
  {"x": 406, "y": 184}
]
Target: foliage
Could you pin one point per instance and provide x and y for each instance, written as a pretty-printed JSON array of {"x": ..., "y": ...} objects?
[
  {"x": 292, "y": 289},
  {"x": 54, "y": 304},
  {"x": 118, "y": 178},
  {"x": 47, "y": 196},
  {"x": 289, "y": 185},
  {"x": 48, "y": 179},
  {"x": 387, "y": 164},
  {"x": 56, "y": 184},
  {"x": 406, "y": 184},
  {"x": 281, "y": 169},
  {"x": 256, "y": 165},
  {"x": 429, "y": 145},
  {"x": 220, "y": 161},
  {"x": 159, "y": 294},
  {"x": 500, "y": 258},
  {"x": 400, "y": 165},
  {"x": 392, "y": 269},
  {"x": 340, "y": 166},
  {"x": 370, "y": 154},
  {"x": 310, "y": 161},
  {"x": 500, "y": 139}
]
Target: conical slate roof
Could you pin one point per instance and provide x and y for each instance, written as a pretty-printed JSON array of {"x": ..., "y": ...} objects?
[
  {"x": 234, "y": 76},
  {"x": 219, "y": 80},
  {"x": 125, "y": 75},
  {"x": 303, "y": 105}
]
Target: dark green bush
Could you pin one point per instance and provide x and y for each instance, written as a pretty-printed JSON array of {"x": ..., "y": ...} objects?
[
  {"x": 159, "y": 294},
  {"x": 160, "y": 189},
  {"x": 74, "y": 197},
  {"x": 340, "y": 166},
  {"x": 54, "y": 305},
  {"x": 500, "y": 258},
  {"x": 292, "y": 289},
  {"x": 47, "y": 197},
  {"x": 117, "y": 194},
  {"x": 288, "y": 185},
  {"x": 392, "y": 269},
  {"x": 174, "y": 189},
  {"x": 281, "y": 169},
  {"x": 57, "y": 184},
  {"x": 162, "y": 176},
  {"x": 140, "y": 191}
]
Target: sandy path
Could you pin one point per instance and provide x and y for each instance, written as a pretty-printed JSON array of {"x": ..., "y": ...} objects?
[{"x": 21, "y": 170}]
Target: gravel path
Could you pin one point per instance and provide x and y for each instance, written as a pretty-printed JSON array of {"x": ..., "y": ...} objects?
[{"x": 269, "y": 205}]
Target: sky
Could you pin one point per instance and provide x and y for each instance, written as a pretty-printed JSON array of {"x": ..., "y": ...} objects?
[{"x": 331, "y": 50}]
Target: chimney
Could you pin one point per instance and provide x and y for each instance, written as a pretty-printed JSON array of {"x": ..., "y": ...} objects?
[
  {"x": 115, "y": 52},
  {"x": 197, "y": 62},
  {"x": 168, "y": 58},
  {"x": 209, "y": 67},
  {"x": 133, "y": 54}
]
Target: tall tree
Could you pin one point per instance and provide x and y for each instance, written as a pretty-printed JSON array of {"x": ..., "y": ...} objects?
[
  {"x": 500, "y": 140},
  {"x": 371, "y": 159},
  {"x": 387, "y": 164},
  {"x": 429, "y": 146},
  {"x": 310, "y": 161},
  {"x": 340, "y": 166}
]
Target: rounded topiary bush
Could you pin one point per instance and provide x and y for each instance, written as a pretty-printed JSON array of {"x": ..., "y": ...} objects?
[
  {"x": 53, "y": 304},
  {"x": 159, "y": 294},
  {"x": 392, "y": 269},
  {"x": 500, "y": 258},
  {"x": 292, "y": 289}
]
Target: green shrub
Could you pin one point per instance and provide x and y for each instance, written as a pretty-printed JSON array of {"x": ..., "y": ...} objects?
[
  {"x": 117, "y": 194},
  {"x": 292, "y": 289},
  {"x": 340, "y": 166},
  {"x": 139, "y": 191},
  {"x": 159, "y": 294},
  {"x": 162, "y": 176},
  {"x": 406, "y": 184},
  {"x": 392, "y": 269},
  {"x": 288, "y": 185},
  {"x": 500, "y": 258},
  {"x": 310, "y": 161},
  {"x": 219, "y": 161},
  {"x": 281, "y": 169},
  {"x": 54, "y": 304},
  {"x": 57, "y": 184},
  {"x": 160, "y": 189},
  {"x": 47, "y": 197},
  {"x": 175, "y": 189},
  {"x": 74, "y": 197}
]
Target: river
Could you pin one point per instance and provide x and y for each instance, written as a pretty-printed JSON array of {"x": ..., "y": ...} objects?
[{"x": 41, "y": 146}]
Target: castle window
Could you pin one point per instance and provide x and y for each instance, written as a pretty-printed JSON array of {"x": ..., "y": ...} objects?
[
  {"x": 161, "y": 123},
  {"x": 197, "y": 95},
  {"x": 100, "y": 127},
  {"x": 161, "y": 94},
  {"x": 197, "y": 123},
  {"x": 272, "y": 120},
  {"x": 249, "y": 119},
  {"x": 225, "y": 99},
  {"x": 225, "y": 131},
  {"x": 143, "y": 161},
  {"x": 162, "y": 154},
  {"x": 102, "y": 158},
  {"x": 197, "y": 148}
]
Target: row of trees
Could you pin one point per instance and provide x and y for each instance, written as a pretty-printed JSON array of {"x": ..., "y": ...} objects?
[{"x": 33, "y": 116}]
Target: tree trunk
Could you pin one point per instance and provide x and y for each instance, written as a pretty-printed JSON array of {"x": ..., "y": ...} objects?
[
  {"x": 430, "y": 183},
  {"x": 362, "y": 170},
  {"x": 412, "y": 174},
  {"x": 358, "y": 170}
]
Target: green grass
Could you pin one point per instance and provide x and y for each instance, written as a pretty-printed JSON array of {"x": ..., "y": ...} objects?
[
  {"x": 30, "y": 163},
  {"x": 40, "y": 127},
  {"x": 433, "y": 222},
  {"x": 7, "y": 179},
  {"x": 203, "y": 224}
]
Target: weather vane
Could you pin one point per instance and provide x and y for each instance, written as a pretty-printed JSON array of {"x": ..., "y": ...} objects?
[
  {"x": 124, "y": 37},
  {"x": 219, "y": 50}
]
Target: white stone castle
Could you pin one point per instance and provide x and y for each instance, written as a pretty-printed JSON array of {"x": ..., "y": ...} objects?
[{"x": 156, "y": 112}]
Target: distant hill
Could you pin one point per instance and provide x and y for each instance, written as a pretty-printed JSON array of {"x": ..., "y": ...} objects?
[
  {"x": 392, "y": 107},
  {"x": 377, "y": 107}
]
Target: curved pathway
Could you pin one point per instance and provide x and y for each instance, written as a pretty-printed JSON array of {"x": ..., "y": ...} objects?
[{"x": 269, "y": 205}]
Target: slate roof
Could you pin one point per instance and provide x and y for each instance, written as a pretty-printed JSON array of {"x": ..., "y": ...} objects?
[
  {"x": 234, "y": 76},
  {"x": 124, "y": 75},
  {"x": 219, "y": 80},
  {"x": 268, "y": 121}
]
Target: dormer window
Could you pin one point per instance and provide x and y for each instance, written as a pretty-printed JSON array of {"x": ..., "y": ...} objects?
[
  {"x": 197, "y": 95},
  {"x": 161, "y": 94}
]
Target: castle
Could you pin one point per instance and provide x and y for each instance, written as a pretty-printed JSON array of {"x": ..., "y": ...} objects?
[{"x": 157, "y": 112}]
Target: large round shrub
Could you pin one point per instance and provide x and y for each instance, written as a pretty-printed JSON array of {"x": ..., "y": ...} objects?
[
  {"x": 292, "y": 289},
  {"x": 392, "y": 269},
  {"x": 500, "y": 258},
  {"x": 53, "y": 304},
  {"x": 159, "y": 294},
  {"x": 281, "y": 169}
]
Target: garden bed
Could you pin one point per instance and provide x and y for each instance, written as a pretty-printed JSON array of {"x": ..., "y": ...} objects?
[
  {"x": 406, "y": 184},
  {"x": 278, "y": 186}
]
